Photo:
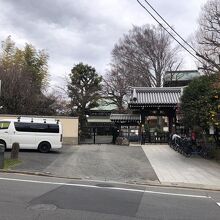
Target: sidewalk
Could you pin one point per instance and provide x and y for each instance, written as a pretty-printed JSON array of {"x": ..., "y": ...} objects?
[{"x": 172, "y": 167}]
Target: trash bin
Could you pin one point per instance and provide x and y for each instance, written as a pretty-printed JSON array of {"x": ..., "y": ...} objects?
[{"x": 2, "y": 151}]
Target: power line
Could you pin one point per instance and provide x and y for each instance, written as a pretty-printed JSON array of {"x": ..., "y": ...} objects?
[
  {"x": 168, "y": 31},
  {"x": 170, "y": 27}
]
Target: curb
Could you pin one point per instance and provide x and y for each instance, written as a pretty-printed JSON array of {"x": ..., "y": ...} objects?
[
  {"x": 37, "y": 174},
  {"x": 183, "y": 186},
  {"x": 132, "y": 183}
]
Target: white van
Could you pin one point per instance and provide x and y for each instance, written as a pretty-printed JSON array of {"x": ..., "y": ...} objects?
[{"x": 31, "y": 133}]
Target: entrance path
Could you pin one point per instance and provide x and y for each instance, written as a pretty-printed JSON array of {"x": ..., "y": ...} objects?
[{"x": 172, "y": 167}]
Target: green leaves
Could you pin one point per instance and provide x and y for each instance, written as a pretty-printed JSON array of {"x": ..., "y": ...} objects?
[
  {"x": 24, "y": 75},
  {"x": 83, "y": 88},
  {"x": 35, "y": 63},
  {"x": 197, "y": 102}
]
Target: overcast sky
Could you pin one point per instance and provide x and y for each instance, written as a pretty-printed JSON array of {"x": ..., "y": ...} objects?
[{"x": 75, "y": 31}]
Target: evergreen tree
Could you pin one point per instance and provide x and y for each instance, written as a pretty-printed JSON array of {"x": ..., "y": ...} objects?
[
  {"x": 84, "y": 90},
  {"x": 24, "y": 74},
  {"x": 197, "y": 102}
]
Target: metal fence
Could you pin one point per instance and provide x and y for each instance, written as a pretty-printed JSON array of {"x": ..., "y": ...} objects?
[
  {"x": 104, "y": 135},
  {"x": 96, "y": 135},
  {"x": 154, "y": 137}
]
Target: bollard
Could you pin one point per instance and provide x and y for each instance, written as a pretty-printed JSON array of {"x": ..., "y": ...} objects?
[
  {"x": 15, "y": 151},
  {"x": 2, "y": 151}
]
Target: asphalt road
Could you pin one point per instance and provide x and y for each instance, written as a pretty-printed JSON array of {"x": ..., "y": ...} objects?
[{"x": 30, "y": 197}]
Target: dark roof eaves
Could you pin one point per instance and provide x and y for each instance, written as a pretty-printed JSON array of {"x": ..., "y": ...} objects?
[
  {"x": 183, "y": 71},
  {"x": 159, "y": 89}
]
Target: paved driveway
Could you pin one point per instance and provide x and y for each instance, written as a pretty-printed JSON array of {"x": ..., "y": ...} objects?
[
  {"x": 34, "y": 161},
  {"x": 95, "y": 162},
  {"x": 105, "y": 162},
  {"x": 172, "y": 167}
]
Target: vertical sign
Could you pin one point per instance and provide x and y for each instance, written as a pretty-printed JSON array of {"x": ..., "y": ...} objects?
[{"x": 211, "y": 130}]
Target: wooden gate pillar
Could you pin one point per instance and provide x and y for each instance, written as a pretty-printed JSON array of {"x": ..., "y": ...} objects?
[
  {"x": 172, "y": 121},
  {"x": 141, "y": 134}
]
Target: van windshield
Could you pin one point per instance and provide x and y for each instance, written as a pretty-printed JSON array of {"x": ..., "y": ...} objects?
[{"x": 4, "y": 124}]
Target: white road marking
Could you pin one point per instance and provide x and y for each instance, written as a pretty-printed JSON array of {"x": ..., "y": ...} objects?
[
  {"x": 178, "y": 194},
  {"x": 98, "y": 187},
  {"x": 161, "y": 193},
  {"x": 218, "y": 203}
]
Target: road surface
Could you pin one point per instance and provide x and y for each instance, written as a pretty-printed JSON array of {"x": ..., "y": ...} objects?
[{"x": 33, "y": 197}]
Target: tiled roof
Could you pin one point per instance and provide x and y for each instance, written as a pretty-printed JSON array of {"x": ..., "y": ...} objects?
[
  {"x": 155, "y": 96},
  {"x": 125, "y": 117},
  {"x": 99, "y": 119},
  {"x": 104, "y": 104}
]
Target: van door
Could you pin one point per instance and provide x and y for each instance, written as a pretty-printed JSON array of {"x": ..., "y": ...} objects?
[
  {"x": 23, "y": 135},
  {"x": 5, "y": 132}
]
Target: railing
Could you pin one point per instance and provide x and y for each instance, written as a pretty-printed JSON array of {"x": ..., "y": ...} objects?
[{"x": 153, "y": 137}]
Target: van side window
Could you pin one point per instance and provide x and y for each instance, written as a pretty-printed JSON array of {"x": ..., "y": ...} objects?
[
  {"x": 53, "y": 128},
  {"x": 47, "y": 128},
  {"x": 37, "y": 127},
  {"x": 4, "y": 124},
  {"x": 21, "y": 126}
]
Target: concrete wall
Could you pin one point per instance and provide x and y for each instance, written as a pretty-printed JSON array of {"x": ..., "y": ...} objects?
[
  {"x": 70, "y": 130},
  {"x": 69, "y": 124}
]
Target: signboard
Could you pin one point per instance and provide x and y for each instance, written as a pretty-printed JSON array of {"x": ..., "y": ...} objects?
[
  {"x": 211, "y": 130},
  {"x": 218, "y": 116}
]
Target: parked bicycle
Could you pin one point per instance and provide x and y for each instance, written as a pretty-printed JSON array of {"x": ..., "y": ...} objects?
[{"x": 188, "y": 148}]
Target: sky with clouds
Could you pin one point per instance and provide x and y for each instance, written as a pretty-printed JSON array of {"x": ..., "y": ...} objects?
[{"x": 86, "y": 30}]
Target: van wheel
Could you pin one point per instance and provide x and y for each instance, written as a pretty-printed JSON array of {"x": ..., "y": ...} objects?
[
  {"x": 3, "y": 143},
  {"x": 44, "y": 147}
]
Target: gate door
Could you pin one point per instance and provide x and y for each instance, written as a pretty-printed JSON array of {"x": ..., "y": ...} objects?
[{"x": 96, "y": 135}]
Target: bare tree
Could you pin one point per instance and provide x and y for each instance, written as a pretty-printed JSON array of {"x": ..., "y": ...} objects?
[
  {"x": 146, "y": 53},
  {"x": 115, "y": 86},
  {"x": 208, "y": 36},
  {"x": 140, "y": 58}
]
